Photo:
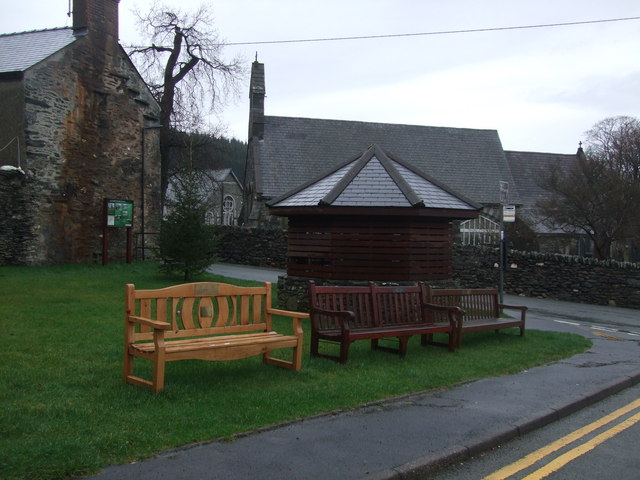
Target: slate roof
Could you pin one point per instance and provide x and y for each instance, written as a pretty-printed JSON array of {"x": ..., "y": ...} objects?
[
  {"x": 374, "y": 178},
  {"x": 20, "y": 51},
  {"x": 295, "y": 150},
  {"x": 526, "y": 168}
]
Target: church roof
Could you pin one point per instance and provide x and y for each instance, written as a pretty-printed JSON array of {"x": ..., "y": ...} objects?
[
  {"x": 527, "y": 168},
  {"x": 375, "y": 178},
  {"x": 295, "y": 150}
]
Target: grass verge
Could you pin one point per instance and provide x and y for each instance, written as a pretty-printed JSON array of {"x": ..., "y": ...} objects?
[{"x": 66, "y": 413}]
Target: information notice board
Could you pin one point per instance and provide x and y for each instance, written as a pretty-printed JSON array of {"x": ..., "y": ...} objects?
[{"x": 117, "y": 214}]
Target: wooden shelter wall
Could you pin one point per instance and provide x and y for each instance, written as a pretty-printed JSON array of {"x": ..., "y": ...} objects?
[{"x": 370, "y": 248}]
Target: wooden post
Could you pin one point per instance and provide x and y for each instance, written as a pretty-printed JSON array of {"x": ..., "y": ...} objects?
[
  {"x": 105, "y": 234},
  {"x": 129, "y": 244}
]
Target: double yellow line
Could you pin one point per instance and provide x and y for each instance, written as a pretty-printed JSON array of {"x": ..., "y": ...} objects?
[{"x": 574, "y": 453}]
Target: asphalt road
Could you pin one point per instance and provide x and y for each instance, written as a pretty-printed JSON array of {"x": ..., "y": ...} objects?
[{"x": 582, "y": 446}]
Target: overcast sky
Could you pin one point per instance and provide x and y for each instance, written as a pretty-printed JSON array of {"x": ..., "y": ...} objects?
[{"x": 540, "y": 88}]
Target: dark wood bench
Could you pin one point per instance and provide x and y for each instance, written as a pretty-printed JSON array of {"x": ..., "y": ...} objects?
[
  {"x": 344, "y": 314},
  {"x": 480, "y": 309},
  {"x": 206, "y": 321}
]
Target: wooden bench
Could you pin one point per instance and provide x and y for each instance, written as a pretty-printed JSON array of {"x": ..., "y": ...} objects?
[
  {"x": 344, "y": 314},
  {"x": 206, "y": 321},
  {"x": 480, "y": 309}
]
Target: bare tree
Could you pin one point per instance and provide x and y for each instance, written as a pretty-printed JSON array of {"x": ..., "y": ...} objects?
[
  {"x": 184, "y": 68},
  {"x": 615, "y": 141},
  {"x": 599, "y": 195}
]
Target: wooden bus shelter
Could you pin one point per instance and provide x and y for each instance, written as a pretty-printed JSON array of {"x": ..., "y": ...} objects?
[{"x": 374, "y": 217}]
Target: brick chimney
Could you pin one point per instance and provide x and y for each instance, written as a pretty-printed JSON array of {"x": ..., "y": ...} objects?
[{"x": 96, "y": 16}]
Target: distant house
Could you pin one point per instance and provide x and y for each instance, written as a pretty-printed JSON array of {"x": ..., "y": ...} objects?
[
  {"x": 526, "y": 168},
  {"x": 284, "y": 153},
  {"x": 221, "y": 192},
  {"x": 76, "y": 127}
]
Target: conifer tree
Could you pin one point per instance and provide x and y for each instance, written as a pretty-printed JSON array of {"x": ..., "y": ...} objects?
[{"x": 187, "y": 243}]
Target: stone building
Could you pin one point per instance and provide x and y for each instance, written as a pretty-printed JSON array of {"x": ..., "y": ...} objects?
[
  {"x": 221, "y": 192},
  {"x": 77, "y": 126}
]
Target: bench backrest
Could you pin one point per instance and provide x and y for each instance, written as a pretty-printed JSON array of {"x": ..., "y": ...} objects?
[
  {"x": 477, "y": 303},
  {"x": 356, "y": 299},
  {"x": 371, "y": 305},
  {"x": 202, "y": 308},
  {"x": 398, "y": 305}
]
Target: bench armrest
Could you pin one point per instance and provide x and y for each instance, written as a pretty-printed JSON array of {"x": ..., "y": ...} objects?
[
  {"x": 149, "y": 322},
  {"x": 296, "y": 318},
  {"x": 454, "y": 314},
  {"x": 343, "y": 317},
  {"x": 288, "y": 313},
  {"x": 523, "y": 310}
]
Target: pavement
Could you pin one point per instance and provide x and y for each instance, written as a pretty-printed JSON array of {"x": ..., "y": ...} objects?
[{"x": 415, "y": 435}]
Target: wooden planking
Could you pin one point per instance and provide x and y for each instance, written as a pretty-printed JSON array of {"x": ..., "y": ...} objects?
[{"x": 370, "y": 249}]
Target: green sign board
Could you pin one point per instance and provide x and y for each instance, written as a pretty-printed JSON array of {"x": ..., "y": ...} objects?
[{"x": 119, "y": 213}]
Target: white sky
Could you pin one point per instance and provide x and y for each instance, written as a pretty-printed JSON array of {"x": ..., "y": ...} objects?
[{"x": 540, "y": 88}]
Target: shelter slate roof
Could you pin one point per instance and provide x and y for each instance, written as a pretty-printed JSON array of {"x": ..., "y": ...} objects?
[
  {"x": 20, "y": 51},
  {"x": 375, "y": 178},
  {"x": 526, "y": 168},
  {"x": 295, "y": 150}
]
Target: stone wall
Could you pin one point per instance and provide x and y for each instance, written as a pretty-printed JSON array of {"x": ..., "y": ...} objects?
[
  {"x": 561, "y": 277},
  {"x": 252, "y": 246}
]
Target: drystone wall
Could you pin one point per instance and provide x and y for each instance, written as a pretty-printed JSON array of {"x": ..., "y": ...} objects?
[{"x": 531, "y": 274}]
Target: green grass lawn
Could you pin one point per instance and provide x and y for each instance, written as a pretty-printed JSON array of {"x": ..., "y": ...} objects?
[{"x": 65, "y": 411}]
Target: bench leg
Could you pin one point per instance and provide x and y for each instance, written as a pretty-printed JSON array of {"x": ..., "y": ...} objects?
[
  {"x": 454, "y": 341},
  {"x": 158, "y": 372},
  {"x": 344, "y": 350},
  {"x": 426, "y": 339},
  {"x": 402, "y": 349},
  {"x": 127, "y": 365},
  {"x": 314, "y": 345},
  {"x": 374, "y": 344}
]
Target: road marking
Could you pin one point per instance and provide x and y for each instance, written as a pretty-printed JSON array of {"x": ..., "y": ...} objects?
[
  {"x": 586, "y": 447},
  {"x": 607, "y": 336},
  {"x": 604, "y": 329},
  {"x": 543, "y": 452},
  {"x": 566, "y": 322}
]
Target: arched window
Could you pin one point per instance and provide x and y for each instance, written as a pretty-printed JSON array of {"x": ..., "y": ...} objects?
[
  {"x": 480, "y": 231},
  {"x": 228, "y": 210}
]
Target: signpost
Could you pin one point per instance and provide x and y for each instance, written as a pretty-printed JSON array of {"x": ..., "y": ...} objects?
[
  {"x": 508, "y": 214},
  {"x": 117, "y": 214}
]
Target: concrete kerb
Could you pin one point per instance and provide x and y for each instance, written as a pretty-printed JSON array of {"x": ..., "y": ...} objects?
[{"x": 436, "y": 461}]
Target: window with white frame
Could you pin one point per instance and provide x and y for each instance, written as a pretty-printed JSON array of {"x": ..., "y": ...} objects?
[
  {"x": 228, "y": 210},
  {"x": 480, "y": 231}
]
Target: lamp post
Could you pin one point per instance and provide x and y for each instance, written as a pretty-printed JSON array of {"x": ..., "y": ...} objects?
[
  {"x": 504, "y": 199},
  {"x": 142, "y": 176}
]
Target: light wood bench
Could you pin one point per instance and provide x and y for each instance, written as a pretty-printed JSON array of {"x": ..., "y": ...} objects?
[
  {"x": 344, "y": 314},
  {"x": 206, "y": 321},
  {"x": 480, "y": 309}
]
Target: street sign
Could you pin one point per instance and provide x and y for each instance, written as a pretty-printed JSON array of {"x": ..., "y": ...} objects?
[{"x": 508, "y": 213}]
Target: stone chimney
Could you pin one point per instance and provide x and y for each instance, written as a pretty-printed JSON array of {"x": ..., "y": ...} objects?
[
  {"x": 256, "y": 101},
  {"x": 96, "y": 16}
]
